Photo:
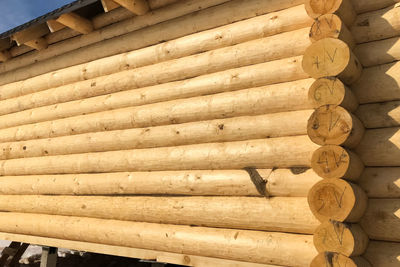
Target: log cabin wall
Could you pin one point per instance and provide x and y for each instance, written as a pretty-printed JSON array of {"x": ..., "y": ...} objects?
[{"x": 208, "y": 133}]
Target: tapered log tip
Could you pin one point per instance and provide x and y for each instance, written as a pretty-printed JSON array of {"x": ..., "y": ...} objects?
[
  {"x": 334, "y": 125},
  {"x": 317, "y": 8},
  {"x": 338, "y": 200},
  {"x": 326, "y": 26},
  {"x": 331, "y": 161},
  {"x": 331, "y": 259},
  {"x": 343, "y": 238}
]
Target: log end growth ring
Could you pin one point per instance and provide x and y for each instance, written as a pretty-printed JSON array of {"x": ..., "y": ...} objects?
[
  {"x": 317, "y": 8},
  {"x": 326, "y": 26},
  {"x": 338, "y": 200},
  {"x": 346, "y": 239},
  {"x": 337, "y": 260},
  {"x": 326, "y": 57}
]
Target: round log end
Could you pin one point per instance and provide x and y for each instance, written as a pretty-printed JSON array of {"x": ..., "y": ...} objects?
[
  {"x": 346, "y": 239},
  {"x": 331, "y": 91},
  {"x": 338, "y": 200},
  {"x": 331, "y": 259},
  {"x": 317, "y": 8},
  {"x": 333, "y": 161},
  {"x": 331, "y": 57},
  {"x": 334, "y": 125},
  {"x": 326, "y": 26}
]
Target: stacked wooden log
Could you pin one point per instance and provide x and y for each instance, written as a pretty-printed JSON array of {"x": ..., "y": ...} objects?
[
  {"x": 211, "y": 133},
  {"x": 195, "y": 146},
  {"x": 340, "y": 201}
]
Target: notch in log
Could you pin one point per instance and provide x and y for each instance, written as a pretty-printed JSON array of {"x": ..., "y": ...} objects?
[
  {"x": 331, "y": 91},
  {"x": 338, "y": 200},
  {"x": 332, "y": 57},
  {"x": 334, "y": 125},
  {"x": 333, "y": 161},
  {"x": 331, "y": 26},
  {"x": 331, "y": 259},
  {"x": 346, "y": 239},
  {"x": 342, "y": 8}
]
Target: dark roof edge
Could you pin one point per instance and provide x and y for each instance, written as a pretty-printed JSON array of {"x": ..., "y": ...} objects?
[{"x": 51, "y": 15}]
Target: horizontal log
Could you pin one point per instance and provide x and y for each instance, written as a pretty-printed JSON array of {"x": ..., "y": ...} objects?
[
  {"x": 275, "y": 152},
  {"x": 254, "y": 101},
  {"x": 112, "y": 31},
  {"x": 331, "y": 57},
  {"x": 378, "y": 84},
  {"x": 243, "y": 245},
  {"x": 380, "y": 147},
  {"x": 294, "y": 182},
  {"x": 362, "y": 6},
  {"x": 242, "y": 31},
  {"x": 342, "y": 8},
  {"x": 381, "y": 182},
  {"x": 331, "y": 26},
  {"x": 338, "y": 200},
  {"x": 332, "y": 161},
  {"x": 154, "y": 255},
  {"x": 334, "y": 125},
  {"x": 380, "y": 115},
  {"x": 378, "y": 52},
  {"x": 231, "y": 80},
  {"x": 337, "y": 260},
  {"x": 222, "y": 130},
  {"x": 347, "y": 239},
  {"x": 205, "y": 19},
  {"x": 377, "y": 25},
  {"x": 244, "y": 54},
  {"x": 382, "y": 219},
  {"x": 284, "y": 214},
  {"x": 331, "y": 91},
  {"x": 384, "y": 254}
]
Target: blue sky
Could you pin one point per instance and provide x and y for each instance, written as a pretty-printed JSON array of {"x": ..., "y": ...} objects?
[{"x": 17, "y": 12}]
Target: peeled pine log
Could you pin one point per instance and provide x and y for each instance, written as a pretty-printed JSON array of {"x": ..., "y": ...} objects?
[
  {"x": 284, "y": 214},
  {"x": 244, "y": 245},
  {"x": 331, "y": 57},
  {"x": 203, "y": 20},
  {"x": 331, "y": 259},
  {"x": 332, "y": 161},
  {"x": 380, "y": 147},
  {"x": 378, "y": 52},
  {"x": 338, "y": 200},
  {"x": 334, "y": 125},
  {"x": 347, "y": 239},
  {"x": 380, "y": 115},
  {"x": 343, "y": 8},
  {"x": 378, "y": 84},
  {"x": 293, "y": 182},
  {"x": 381, "y": 182},
  {"x": 331, "y": 26},
  {"x": 223, "y": 130},
  {"x": 252, "y": 52},
  {"x": 377, "y": 25},
  {"x": 252, "y": 101},
  {"x": 331, "y": 91},
  {"x": 203, "y": 85},
  {"x": 383, "y": 254},
  {"x": 382, "y": 219},
  {"x": 242, "y": 31},
  {"x": 362, "y": 6},
  {"x": 275, "y": 152}
]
